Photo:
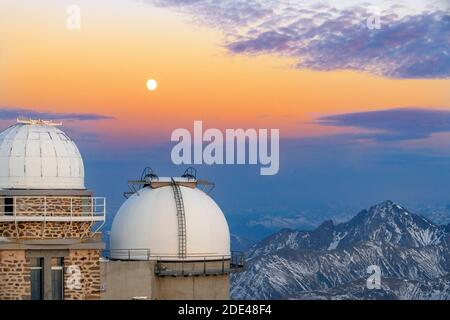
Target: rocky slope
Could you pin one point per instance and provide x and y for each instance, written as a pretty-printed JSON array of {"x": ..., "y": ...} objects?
[{"x": 331, "y": 262}]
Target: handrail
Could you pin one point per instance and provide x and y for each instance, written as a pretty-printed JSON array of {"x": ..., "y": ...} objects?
[
  {"x": 236, "y": 257},
  {"x": 42, "y": 208},
  {"x": 191, "y": 265}
]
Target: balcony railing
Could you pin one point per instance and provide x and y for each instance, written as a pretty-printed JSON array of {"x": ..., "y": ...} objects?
[
  {"x": 191, "y": 265},
  {"x": 52, "y": 209}
]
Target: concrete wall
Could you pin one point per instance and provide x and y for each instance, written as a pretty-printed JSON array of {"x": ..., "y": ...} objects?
[
  {"x": 125, "y": 280},
  {"x": 193, "y": 288}
]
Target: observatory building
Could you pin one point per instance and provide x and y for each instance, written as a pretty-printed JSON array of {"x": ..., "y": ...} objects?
[
  {"x": 169, "y": 240},
  {"x": 49, "y": 241}
]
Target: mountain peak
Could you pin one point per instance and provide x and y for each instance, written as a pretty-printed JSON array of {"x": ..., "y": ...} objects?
[
  {"x": 388, "y": 206},
  {"x": 387, "y": 209},
  {"x": 405, "y": 245},
  {"x": 386, "y": 203},
  {"x": 326, "y": 225},
  {"x": 390, "y": 223}
]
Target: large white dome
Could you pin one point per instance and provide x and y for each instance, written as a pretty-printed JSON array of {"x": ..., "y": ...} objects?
[
  {"x": 148, "y": 221},
  {"x": 37, "y": 155}
]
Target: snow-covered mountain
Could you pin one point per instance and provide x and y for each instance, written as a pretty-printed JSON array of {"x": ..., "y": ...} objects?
[{"x": 331, "y": 262}]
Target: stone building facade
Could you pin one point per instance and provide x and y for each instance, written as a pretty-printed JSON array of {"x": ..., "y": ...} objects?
[
  {"x": 14, "y": 275},
  {"x": 49, "y": 222},
  {"x": 41, "y": 227}
]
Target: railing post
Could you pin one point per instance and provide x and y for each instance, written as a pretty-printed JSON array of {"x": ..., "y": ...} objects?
[
  {"x": 223, "y": 264},
  {"x": 45, "y": 217},
  {"x": 204, "y": 265},
  {"x": 15, "y": 216}
]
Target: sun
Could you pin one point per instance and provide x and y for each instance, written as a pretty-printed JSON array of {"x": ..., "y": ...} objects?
[{"x": 152, "y": 84}]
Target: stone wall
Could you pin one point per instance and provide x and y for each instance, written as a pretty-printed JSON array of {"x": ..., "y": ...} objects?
[
  {"x": 14, "y": 266},
  {"x": 14, "y": 275},
  {"x": 88, "y": 262},
  {"x": 52, "y": 206},
  {"x": 51, "y": 230},
  {"x": 49, "y": 206}
]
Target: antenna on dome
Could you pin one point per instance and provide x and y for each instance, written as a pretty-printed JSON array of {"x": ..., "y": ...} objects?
[
  {"x": 38, "y": 121},
  {"x": 147, "y": 177},
  {"x": 190, "y": 173}
]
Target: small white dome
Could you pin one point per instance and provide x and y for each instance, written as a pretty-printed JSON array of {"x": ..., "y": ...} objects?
[
  {"x": 39, "y": 156},
  {"x": 148, "y": 221}
]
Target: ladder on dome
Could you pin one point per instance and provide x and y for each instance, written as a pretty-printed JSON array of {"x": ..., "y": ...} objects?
[{"x": 181, "y": 219}]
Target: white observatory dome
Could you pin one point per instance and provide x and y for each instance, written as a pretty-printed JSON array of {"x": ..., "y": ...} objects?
[
  {"x": 35, "y": 154},
  {"x": 147, "y": 223}
]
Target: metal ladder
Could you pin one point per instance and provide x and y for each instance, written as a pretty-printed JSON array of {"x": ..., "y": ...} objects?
[{"x": 181, "y": 219}]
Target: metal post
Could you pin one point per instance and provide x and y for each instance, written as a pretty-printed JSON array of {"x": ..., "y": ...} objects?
[
  {"x": 47, "y": 277},
  {"x": 15, "y": 216},
  {"x": 204, "y": 265},
  {"x": 45, "y": 217},
  {"x": 223, "y": 264}
]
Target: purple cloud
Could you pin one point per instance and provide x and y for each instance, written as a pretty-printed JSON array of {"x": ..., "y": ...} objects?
[
  {"x": 12, "y": 114},
  {"x": 411, "y": 42},
  {"x": 393, "y": 124}
]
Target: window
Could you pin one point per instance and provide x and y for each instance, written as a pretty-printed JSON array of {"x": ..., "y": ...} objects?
[
  {"x": 57, "y": 279},
  {"x": 37, "y": 277},
  {"x": 8, "y": 206}
]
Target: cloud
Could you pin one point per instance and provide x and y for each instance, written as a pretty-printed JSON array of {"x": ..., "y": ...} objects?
[
  {"x": 13, "y": 113},
  {"x": 412, "y": 42},
  {"x": 393, "y": 124}
]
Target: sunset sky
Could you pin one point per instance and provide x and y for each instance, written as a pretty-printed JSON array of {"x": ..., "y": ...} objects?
[{"x": 312, "y": 69}]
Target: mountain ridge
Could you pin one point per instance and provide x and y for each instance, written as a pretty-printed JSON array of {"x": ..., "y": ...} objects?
[{"x": 405, "y": 246}]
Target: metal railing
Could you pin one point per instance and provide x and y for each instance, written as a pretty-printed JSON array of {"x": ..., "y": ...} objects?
[
  {"x": 209, "y": 265},
  {"x": 190, "y": 265},
  {"x": 128, "y": 254},
  {"x": 52, "y": 209}
]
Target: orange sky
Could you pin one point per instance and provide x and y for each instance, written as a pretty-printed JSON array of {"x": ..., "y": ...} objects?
[{"x": 103, "y": 68}]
